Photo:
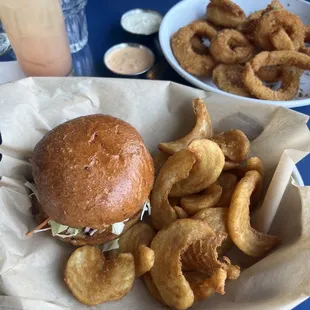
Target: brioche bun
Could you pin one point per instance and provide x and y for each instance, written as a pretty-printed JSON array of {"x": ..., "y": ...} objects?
[{"x": 92, "y": 171}]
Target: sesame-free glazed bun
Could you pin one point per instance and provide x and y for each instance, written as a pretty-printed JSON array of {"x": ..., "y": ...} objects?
[{"x": 92, "y": 171}]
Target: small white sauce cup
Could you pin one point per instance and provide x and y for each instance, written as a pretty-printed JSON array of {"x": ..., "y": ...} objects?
[
  {"x": 136, "y": 12},
  {"x": 123, "y": 45}
]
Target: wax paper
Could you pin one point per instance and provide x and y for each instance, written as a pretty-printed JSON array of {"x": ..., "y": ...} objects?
[{"x": 31, "y": 268}]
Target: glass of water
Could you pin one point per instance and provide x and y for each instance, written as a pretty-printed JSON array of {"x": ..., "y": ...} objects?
[
  {"x": 76, "y": 23},
  {"x": 5, "y": 44}
]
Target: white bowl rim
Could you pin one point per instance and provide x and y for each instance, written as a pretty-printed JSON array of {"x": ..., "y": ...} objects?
[{"x": 297, "y": 177}]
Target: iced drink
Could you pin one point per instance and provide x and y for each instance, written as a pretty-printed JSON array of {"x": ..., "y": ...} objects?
[{"x": 37, "y": 33}]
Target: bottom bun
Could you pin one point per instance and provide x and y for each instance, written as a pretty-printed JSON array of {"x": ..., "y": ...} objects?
[{"x": 99, "y": 237}]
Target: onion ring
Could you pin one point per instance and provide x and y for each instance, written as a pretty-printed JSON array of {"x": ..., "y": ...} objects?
[
  {"x": 202, "y": 130},
  {"x": 270, "y": 74},
  {"x": 246, "y": 238},
  {"x": 290, "y": 76},
  {"x": 225, "y": 13},
  {"x": 230, "y": 46},
  {"x": 305, "y": 50},
  {"x": 189, "y": 60},
  {"x": 249, "y": 25},
  {"x": 274, "y": 5},
  {"x": 271, "y": 22},
  {"x": 307, "y": 33},
  {"x": 281, "y": 41},
  {"x": 203, "y": 29},
  {"x": 198, "y": 46},
  {"x": 229, "y": 78}
]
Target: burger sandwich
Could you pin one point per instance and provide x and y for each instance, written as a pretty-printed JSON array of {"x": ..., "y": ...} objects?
[{"x": 92, "y": 178}]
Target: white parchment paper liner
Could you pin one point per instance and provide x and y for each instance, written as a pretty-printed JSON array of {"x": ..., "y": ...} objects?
[{"x": 31, "y": 269}]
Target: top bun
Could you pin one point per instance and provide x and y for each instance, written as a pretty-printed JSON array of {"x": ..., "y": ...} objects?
[{"x": 92, "y": 171}]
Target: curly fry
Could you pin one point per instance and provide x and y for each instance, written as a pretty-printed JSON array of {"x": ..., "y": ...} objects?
[
  {"x": 246, "y": 238},
  {"x": 209, "y": 165},
  {"x": 168, "y": 246},
  {"x": 202, "y": 256},
  {"x": 181, "y": 213},
  {"x": 152, "y": 288},
  {"x": 202, "y": 130},
  {"x": 204, "y": 288},
  {"x": 228, "y": 182},
  {"x": 234, "y": 144},
  {"x": 136, "y": 241},
  {"x": 175, "y": 169},
  {"x": 217, "y": 220},
  {"x": 208, "y": 199}
]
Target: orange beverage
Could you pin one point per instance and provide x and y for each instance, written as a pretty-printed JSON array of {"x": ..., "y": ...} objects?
[{"x": 37, "y": 33}]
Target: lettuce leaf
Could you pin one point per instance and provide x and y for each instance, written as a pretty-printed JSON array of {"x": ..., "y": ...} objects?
[{"x": 57, "y": 228}]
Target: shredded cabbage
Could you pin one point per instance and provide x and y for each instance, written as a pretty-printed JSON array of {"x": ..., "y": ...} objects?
[
  {"x": 146, "y": 208},
  {"x": 67, "y": 236},
  {"x": 33, "y": 188},
  {"x": 110, "y": 245},
  {"x": 74, "y": 231},
  {"x": 92, "y": 232},
  {"x": 41, "y": 230},
  {"x": 64, "y": 231},
  {"x": 117, "y": 228}
]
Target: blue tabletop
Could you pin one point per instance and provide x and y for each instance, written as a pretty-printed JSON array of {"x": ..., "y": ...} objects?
[
  {"x": 103, "y": 19},
  {"x": 104, "y": 31}
]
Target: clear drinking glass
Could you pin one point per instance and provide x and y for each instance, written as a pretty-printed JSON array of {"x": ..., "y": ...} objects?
[
  {"x": 83, "y": 63},
  {"x": 76, "y": 23},
  {"x": 5, "y": 43}
]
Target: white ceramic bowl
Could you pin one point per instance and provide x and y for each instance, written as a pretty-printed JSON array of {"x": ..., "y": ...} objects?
[{"x": 187, "y": 11}]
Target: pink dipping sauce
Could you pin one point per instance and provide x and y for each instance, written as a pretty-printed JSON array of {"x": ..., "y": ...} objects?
[{"x": 129, "y": 60}]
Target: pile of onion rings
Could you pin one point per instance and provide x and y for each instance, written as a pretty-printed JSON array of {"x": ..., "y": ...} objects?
[{"x": 237, "y": 41}]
